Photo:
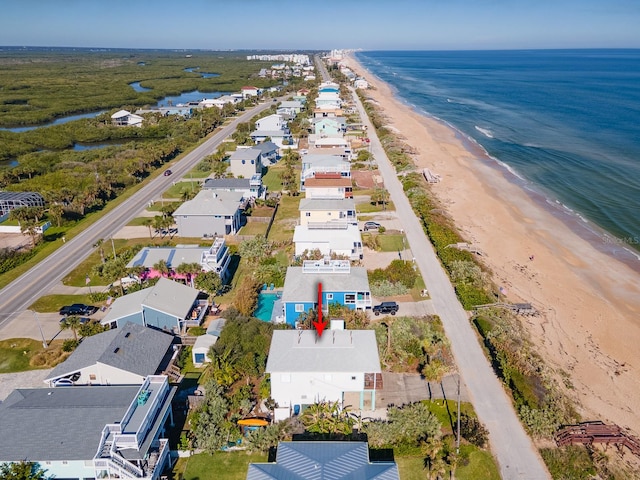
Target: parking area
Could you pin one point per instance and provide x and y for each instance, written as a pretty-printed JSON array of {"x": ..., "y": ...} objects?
[{"x": 402, "y": 388}]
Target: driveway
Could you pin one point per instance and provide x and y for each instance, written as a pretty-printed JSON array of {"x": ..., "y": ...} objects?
[{"x": 402, "y": 388}]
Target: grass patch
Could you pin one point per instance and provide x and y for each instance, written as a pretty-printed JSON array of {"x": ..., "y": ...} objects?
[
  {"x": 446, "y": 412},
  {"x": 157, "y": 206},
  {"x": 368, "y": 207},
  {"x": 411, "y": 467},
  {"x": 219, "y": 466},
  {"x": 569, "y": 463},
  {"x": 23, "y": 354},
  {"x": 481, "y": 465},
  {"x": 53, "y": 303},
  {"x": 195, "y": 173},
  {"x": 138, "y": 222},
  {"x": 175, "y": 190},
  {"x": 271, "y": 179},
  {"x": 286, "y": 219},
  {"x": 392, "y": 242},
  {"x": 254, "y": 228}
]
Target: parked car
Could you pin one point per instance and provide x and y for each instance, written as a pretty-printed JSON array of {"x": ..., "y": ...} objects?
[
  {"x": 130, "y": 280},
  {"x": 167, "y": 173},
  {"x": 386, "y": 307},
  {"x": 371, "y": 226},
  {"x": 78, "y": 309}
]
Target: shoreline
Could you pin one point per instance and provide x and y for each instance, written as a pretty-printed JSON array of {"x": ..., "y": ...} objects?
[
  {"x": 589, "y": 301},
  {"x": 601, "y": 239}
]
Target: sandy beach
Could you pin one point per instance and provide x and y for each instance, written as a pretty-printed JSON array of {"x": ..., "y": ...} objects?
[{"x": 589, "y": 302}]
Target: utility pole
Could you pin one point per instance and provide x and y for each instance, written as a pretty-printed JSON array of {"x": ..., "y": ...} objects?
[{"x": 114, "y": 248}]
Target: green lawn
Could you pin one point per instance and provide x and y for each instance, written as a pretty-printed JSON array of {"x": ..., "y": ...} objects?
[
  {"x": 157, "y": 206},
  {"x": 481, "y": 465},
  {"x": 53, "y": 303},
  {"x": 219, "y": 466},
  {"x": 254, "y": 228},
  {"x": 271, "y": 179},
  {"x": 285, "y": 220},
  {"x": 138, "y": 222},
  {"x": 391, "y": 242},
  {"x": 370, "y": 208},
  {"x": 175, "y": 191},
  {"x": 15, "y": 354},
  {"x": 199, "y": 174}
]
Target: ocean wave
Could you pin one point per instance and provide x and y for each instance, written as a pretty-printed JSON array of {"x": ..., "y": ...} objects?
[{"x": 485, "y": 131}]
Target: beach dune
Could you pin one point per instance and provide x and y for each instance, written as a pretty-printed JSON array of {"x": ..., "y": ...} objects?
[{"x": 589, "y": 302}]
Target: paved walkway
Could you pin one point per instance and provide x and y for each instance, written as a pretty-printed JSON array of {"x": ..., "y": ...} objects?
[{"x": 515, "y": 452}]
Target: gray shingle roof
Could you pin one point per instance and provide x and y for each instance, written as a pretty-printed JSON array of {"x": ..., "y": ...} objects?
[
  {"x": 245, "y": 154},
  {"x": 323, "y": 461},
  {"x": 140, "y": 351},
  {"x": 303, "y": 287},
  {"x": 214, "y": 183},
  {"x": 334, "y": 351},
  {"x": 266, "y": 147},
  {"x": 46, "y": 424},
  {"x": 207, "y": 202}
]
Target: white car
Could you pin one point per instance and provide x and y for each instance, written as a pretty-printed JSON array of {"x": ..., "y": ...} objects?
[{"x": 130, "y": 280}]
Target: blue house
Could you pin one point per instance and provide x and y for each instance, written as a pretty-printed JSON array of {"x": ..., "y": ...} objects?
[
  {"x": 341, "y": 283},
  {"x": 169, "y": 306}
]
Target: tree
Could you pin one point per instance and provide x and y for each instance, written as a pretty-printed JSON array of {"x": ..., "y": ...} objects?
[
  {"x": 246, "y": 297},
  {"x": 99, "y": 245},
  {"x": 209, "y": 282},
  {"x": 56, "y": 211},
  {"x": 211, "y": 429},
  {"x": 190, "y": 270},
  {"x": 72, "y": 323},
  {"x": 255, "y": 249},
  {"x": 22, "y": 471},
  {"x": 158, "y": 223},
  {"x": 148, "y": 222},
  {"x": 30, "y": 227},
  {"x": 327, "y": 418},
  {"x": 162, "y": 267}
]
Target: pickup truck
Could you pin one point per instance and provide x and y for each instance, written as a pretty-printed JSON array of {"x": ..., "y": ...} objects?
[
  {"x": 386, "y": 307},
  {"x": 78, "y": 309}
]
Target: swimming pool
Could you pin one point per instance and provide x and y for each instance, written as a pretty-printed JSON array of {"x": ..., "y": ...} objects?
[{"x": 265, "y": 306}]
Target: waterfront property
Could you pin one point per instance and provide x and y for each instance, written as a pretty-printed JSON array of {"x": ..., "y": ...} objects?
[
  {"x": 168, "y": 305},
  {"x": 209, "y": 214},
  {"x": 305, "y": 368},
  {"x": 90, "y": 432},
  {"x": 123, "y": 356},
  {"x": 328, "y": 185},
  {"x": 313, "y": 164},
  {"x": 329, "y": 126},
  {"x": 124, "y": 118},
  {"x": 341, "y": 283},
  {"x": 319, "y": 212}
]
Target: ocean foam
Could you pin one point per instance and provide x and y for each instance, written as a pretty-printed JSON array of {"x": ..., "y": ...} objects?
[{"x": 485, "y": 131}]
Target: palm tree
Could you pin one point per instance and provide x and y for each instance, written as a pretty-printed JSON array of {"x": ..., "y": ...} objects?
[
  {"x": 71, "y": 323},
  {"x": 148, "y": 222},
  {"x": 100, "y": 248},
  {"x": 190, "y": 270},
  {"x": 162, "y": 267}
]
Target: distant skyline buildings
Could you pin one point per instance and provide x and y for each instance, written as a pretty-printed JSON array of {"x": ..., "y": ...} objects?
[{"x": 305, "y": 25}]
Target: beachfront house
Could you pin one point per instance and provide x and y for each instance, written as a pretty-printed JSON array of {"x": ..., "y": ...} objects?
[
  {"x": 327, "y": 212},
  {"x": 123, "y": 356},
  {"x": 249, "y": 187},
  {"x": 313, "y": 164},
  {"x": 328, "y": 185},
  {"x": 341, "y": 283},
  {"x": 338, "y": 238},
  {"x": 90, "y": 432},
  {"x": 334, "y": 460},
  {"x": 124, "y": 118},
  {"x": 346, "y": 153},
  {"x": 361, "y": 83},
  {"x": 245, "y": 162},
  {"x": 168, "y": 306},
  {"x": 210, "y": 214},
  {"x": 340, "y": 366},
  {"x": 215, "y": 258}
]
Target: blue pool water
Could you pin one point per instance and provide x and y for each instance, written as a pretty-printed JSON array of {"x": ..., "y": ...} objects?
[{"x": 265, "y": 306}]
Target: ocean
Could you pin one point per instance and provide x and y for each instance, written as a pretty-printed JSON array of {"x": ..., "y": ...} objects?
[{"x": 565, "y": 123}]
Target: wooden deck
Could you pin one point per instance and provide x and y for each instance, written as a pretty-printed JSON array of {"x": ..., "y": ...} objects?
[{"x": 588, "y": 433}]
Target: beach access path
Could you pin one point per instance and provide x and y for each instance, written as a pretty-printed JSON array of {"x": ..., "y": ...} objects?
[{"x": 515, "y": 452}]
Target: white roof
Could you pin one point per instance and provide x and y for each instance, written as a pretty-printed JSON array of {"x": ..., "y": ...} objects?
[
  {"x": 120, "y": 114},
  {"x": 335, "y": 351},
  {"x": 336, "y": 239},
  {"x": 300, "y": 286},
  {"x": 204, "y": 342}
]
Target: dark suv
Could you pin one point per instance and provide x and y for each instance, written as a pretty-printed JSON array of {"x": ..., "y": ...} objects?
[
  {"x": 78, "y": 309},
  {"x": 386, "y": 307}
]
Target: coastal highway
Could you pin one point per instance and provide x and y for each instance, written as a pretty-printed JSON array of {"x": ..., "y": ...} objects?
[
  {"x": 22, "y": 292},
  {"x": 516, "y": 455}
]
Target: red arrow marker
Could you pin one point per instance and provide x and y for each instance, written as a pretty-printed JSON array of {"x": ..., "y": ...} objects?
[{"x": 319, "y": 325}]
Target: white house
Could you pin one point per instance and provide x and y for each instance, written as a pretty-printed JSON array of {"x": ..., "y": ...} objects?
[
  {"x": 312, "y": 164},
  {"x": 124, "y": 118},
  {"x": 249, "y": 92},
  {"x": 339, "y": 238},
  {"x": 361, "y": 83},
  {"x": 249, "y": 187},
  {"x": 321, "y": 211},
  {"x": 271, "y": 122},
  {"x": 305, "y": 368},
  {"x": 328, "y": 185}
]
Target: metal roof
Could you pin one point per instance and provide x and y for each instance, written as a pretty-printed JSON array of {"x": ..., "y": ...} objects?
[
  {"x": 335, "y": 351},
  {"x": 323, "y": 461},
  {"x": 140, "y": 351}
]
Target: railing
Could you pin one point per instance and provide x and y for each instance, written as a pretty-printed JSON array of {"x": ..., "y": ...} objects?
[
  {"x": 320, "y": 266},
  {"x": 334, "y": 225}
]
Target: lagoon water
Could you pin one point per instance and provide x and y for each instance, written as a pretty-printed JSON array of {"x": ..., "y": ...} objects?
[{"x": 567, "y": 122}]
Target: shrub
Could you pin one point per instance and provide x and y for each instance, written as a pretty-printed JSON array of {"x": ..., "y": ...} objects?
[
  {"x": 473, "y": 431},
  {"x": 69, "y": 345},
  {"x": 384, "y": 288}
]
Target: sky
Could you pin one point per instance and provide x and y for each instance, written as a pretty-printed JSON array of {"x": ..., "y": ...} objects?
[{"x": 322, "y": 24}]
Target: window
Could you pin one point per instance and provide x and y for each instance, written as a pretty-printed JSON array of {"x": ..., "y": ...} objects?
[
  {"x": 329, "y": 296},
  {"x": 353, "y": 377},
  {"x": 253, "y": 162},
  {"x": 349, "y": 298},
  {"x": 307, "y": 214},
  {"x": 92, "y": 376},
  {"x": 243, "y": 162},
  {"x": 299, "y": 307}
]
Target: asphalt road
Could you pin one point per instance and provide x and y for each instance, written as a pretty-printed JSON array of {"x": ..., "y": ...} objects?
[
  {"x": 23, "y": 291},
  {"x": 516, "y": 455}
]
